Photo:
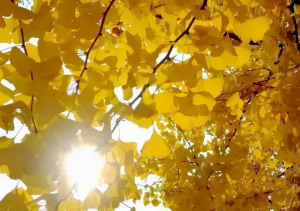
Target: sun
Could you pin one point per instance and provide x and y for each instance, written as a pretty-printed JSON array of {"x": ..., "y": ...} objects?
[{"x": 83, "y": 166}]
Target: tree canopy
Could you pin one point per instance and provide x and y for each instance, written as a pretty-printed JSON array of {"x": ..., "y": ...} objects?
[{"x": 224, "y": 109}]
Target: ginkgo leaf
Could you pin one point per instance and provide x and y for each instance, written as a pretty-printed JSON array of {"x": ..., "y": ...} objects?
[
  {"x": 42, "y": 22},
  {"x": 6, "y": 94},
  {"x": 48, "y": 49},
  {"x": 71, "y": 204},
  {"x": 92, "y": 201},
  {"x": 6, "y": 142},
  {"x": 48, "y": 69},
  {"x": 243, "y": 55},
  {"x": 120, "y": 150},
  {"x": 156, "y": 147},
  {"x": 253, "y": 29},
  {"x": 22, "y": 13},
  {"x": 213, "y": 86},
  {"x": 23, "y": 64},
  {"x": 165, "y": 103},
  {"x": 204, "y": 98},
  {"x": 8, "y": 33},
  {"x": 236, "y": 104},
  {"x": 112, "y": 191},
  {"x": 110, "y": 172},
  {"x": 218, "y": 79},
  {"x": 18, "y": 199}
]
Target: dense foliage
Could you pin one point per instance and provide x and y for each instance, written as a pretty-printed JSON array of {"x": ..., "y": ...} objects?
[{"x": 224, "y": 110}]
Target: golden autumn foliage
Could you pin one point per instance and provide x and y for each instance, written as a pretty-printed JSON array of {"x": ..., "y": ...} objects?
[{"x": 224, "y": 109}]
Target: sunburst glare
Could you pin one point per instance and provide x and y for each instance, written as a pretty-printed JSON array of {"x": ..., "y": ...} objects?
[{"x": 83, "y": 166}]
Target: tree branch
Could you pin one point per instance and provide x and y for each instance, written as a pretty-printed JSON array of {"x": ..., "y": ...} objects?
[
  {"x": 167, "y": 57},
  {"x": 281, "y": 45},
  {"x": 188, "y": 142},
  {"x": 31, "y": 76},
  {"x": 78, "y": 81},
  {"x": 291, "y": 7},
  {"x": 87, "y": 54}
]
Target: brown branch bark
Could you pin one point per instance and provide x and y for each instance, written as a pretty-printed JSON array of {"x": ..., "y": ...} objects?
[
  {"x": 157, "y": 6},
  {"x": 291, "y": 7},
  {"x": 78, "y": 82},
  {"x": 188, "y": 142},
  {"x": 31, "y": 76},
  {"x": 87, "y": 54},
  {"x": 167, "y": 57}
]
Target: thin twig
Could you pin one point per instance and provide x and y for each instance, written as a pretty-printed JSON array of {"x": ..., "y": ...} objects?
[
  {"x": 240, "y": 122},
  {"x": 188, "y": 142},
  {"x": 292, "y": 10},
  {"x": 280, "y": 175},
  {"x": 87, "y": 54},
  {"x": 126, "y": 205},
  {"x": 78, "y": 81},
  {"x": 157, "y": 6},
  {"x": 167, "y": 57},
  {"x": 281, "y": 45},
  {"x": 31, "y": 76}
]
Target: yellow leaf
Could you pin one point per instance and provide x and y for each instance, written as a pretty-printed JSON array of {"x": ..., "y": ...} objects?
[
  {"x": 9, "y": 32},
  {"x": 42, "y": 22},
  {"x": 48, "y": 69},
  {"x": 119, "y": 151},
  {"x": 22, "y": 13},
  {"x": 17, "y": 200},
  {"x": 184, "y": 122},
  {"x": 235, "y": 101},
  {"x": 23, "y": 64},
  {"x": 201, "y": 14},
  {"x": 244, "y": 54},
  {"x": 263, "y": 111},
  {"x": 156, "y": 147},
  {"x": 6, "y": 142},
  {"x": 112, "y": 191},
  {"x": 200, "y": 120},
  {"x": 222, "y": 58},
  {"x": 257, "y": 154},
  {"x": 165, "y": 103},
  {"x": 71, "y": 204},
  {"x": 204, "y": 98},
  {"x": 5, "y": 94},
  {"x": 213, "y": 86},
  {"x": 253, "y": 29},
  {"x": 47, "y": 49},
  {"x": 110, "y": 172},
  {"x": 236, "y": 104},
  {"x": 92, "y": 201}
]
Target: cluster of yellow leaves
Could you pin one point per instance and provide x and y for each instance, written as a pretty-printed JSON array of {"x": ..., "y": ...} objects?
[{"x": 225, "y": 133}]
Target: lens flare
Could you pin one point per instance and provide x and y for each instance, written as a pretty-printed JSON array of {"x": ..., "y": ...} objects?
[{"x": 83, "y": 166}]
